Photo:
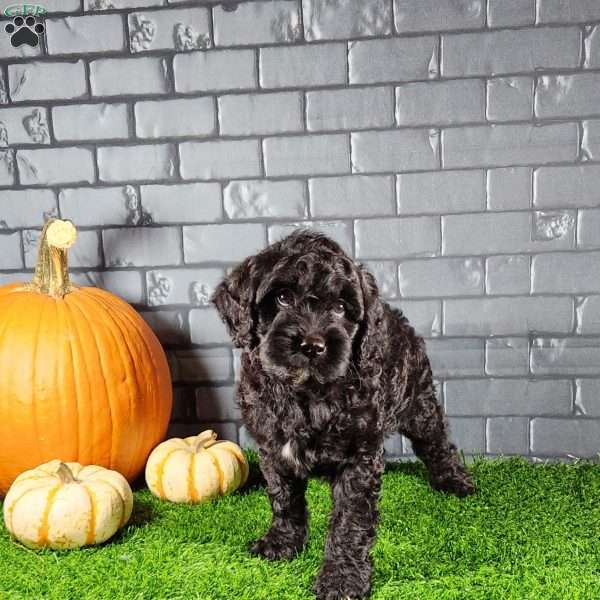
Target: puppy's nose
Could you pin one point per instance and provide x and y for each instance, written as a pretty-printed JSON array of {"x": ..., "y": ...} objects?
[{"x": 312, "y": 346}]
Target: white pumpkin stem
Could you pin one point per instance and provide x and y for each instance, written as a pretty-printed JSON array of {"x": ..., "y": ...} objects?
[
  {"x": 205, "y": 440},
  {"x": 64, "y": 473},
  {"x": 51, "y": 271}
]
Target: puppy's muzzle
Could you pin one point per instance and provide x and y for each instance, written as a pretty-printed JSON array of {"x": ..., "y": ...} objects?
[{"x": 313, "y": 346}]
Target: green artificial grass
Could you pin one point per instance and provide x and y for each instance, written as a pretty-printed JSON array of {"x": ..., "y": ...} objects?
[{"x": 530, "y": 532}]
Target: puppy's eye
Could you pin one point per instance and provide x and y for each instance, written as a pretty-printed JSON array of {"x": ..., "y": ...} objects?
[
  {"x": 339, "y": 308},
  {"x": 285, "y": 298}
]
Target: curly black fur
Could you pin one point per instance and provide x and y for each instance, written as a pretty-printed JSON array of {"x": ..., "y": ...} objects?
[{"x": 327, "y": 413}]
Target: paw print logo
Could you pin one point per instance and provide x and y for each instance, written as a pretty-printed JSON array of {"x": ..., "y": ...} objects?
[{"x": 24, "y": 31}]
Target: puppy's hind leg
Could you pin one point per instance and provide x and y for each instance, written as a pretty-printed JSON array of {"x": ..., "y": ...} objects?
[{"x": 425, "y": 424}]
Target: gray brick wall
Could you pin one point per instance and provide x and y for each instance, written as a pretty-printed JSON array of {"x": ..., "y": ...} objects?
[{"x": 451, "y": 145}]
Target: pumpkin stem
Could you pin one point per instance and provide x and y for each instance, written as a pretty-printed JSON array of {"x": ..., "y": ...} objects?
[
  {"x": 64, "y": 473},
  {"x": 205, "y": 440},
  {"x": 51, "y": 271}
]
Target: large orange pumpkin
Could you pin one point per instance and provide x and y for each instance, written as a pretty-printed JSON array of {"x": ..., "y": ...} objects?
[{"x": 82, "y": 376}]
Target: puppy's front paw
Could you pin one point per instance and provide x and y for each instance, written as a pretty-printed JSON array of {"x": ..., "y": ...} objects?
[
  {"x": 276, "y": 546},
  {"x": 337, "y": 582},
  {"x": 458, "y": 482}
]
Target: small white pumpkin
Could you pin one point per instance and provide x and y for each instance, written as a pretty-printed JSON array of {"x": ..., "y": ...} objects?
[
  {"x": 196, "y": 468},
  {"x": 66, "y": 505}
]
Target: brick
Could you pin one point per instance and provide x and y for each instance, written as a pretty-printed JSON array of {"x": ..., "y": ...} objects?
[
  {"x": 362, "y": 108},
  {"x": 510, "y": 51},
  {"x": 182, "y": 203},
  {"x": 47, "y": 80},
  {"x": 126, "y": 76},
  {"x": 508, "y": 145},
  {"x": 567, "y": 95},
  {"x": 89, "y": 207},
  {"x": 206, "y": 327},
  {"x": 456, "y": 357},
  {"x": 254, "y": 199},
  {"x": 203, "y": 365},
  {"x": 338, "y": 231},
  {"x": 168, "y": 325},
  {"x": 516, "y": 397},
  {"x": 303, "y": 66},
  {"x": 441, "y": 277},
  {"x": 222, "y": 243},
  {"x": 26, "y": 208},
  {"x": 590, "y": 140},
  {"x": 10, "y": 251},
  {"x": 468, "y": 434},
  {"x": 588, "y": 229},
  {"x": 246, "y": 440},
  {"x": 571, "y": 356},
  {"x": 508, "y": 316},
  {"x": 396, "y": 238},
  {"x": 509, "y": 274},
  {"x": 99, "y": 5},
  {"x": 488, "y": 233},
  {"x": 257, "y": 23},
  {"x": 438, "y": 15},
  {"x": 249, "y": 114},
  {"x": 386, "y": 274},
  {"x": 174, "y": 29},
  {"x": 136, "y": 163},
  {"x": 14, "y": 277},
  {"x": 7, "y": 166},
  {"x": 125, "y": 284},
  {"x": 509, "y": 98},
  {"x": 179, "y": 117},
  {"x": 440, "y": 192},
  {"x": 355, "y": 195},
  {"x": 216, "y": 403},
  {"x": 392, "y": 446},
  {"x": 351, "y": 19},
  {"x": 507, "y": 356},
  {"x": 587, "y": 315},
  {"x": 507, "y": 435},
  {"x": 221, "y": 159},
  {"x": 392, "y": 60},
  {"x": 424, "y": 315},
  {"x": 587, "y": 397},
  {"x": 509, "y": 188},
  {"x": 215, "y": 70},
  {"x": 224, "y": 431},
  {"x": 184, "y": 406},
  {"x": 182, "y": 286},
  {"x": 506, "y": 13},
  {"x": 591, "y": 40},
  {"x": 85, "y": 253},
  {"x": 142, "y": 247},
  {"x": 77, "y": 35},
  {"x": 307, "y": 155},
  {"x": 571, "y": 186},
  {"x": 24, "y": 125},
  {"x": 237, "y": 354},
  {"x": 565, "y": 437},
  {"x": 405, "y": 150},
  {"x": 90, "y": 122},
  {"x": 575, "y": 11},
  {"x": 46, "y": 166},
  {"x": 567, "y": 273},
  {"x": 440, "y": 103}
]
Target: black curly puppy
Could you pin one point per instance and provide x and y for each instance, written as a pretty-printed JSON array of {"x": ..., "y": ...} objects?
[{"x": 327, "y": 370}]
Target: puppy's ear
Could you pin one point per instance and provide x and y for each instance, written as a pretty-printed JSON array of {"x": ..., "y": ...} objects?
[
  {"x": 370, "y": 332},
  {"x": 234, "y": 299}
]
